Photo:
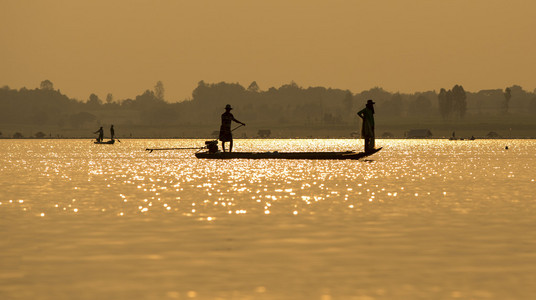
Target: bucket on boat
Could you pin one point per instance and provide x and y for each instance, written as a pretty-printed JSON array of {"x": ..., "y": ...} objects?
[{"x": 212, "y": 146}]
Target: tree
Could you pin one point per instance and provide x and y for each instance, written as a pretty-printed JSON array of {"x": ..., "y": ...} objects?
[
  {"x": 40, "y": 135},
  {"x": 47, "y": 85},
  {"x": 39, "y": 117},
  {"x": 18, "y": 135},
  {"x": 348, "y": 101},
  {"x": 459, "y": 99},
  {"x": 393, "y": 106},
  {"x": 420, "y": 106},
  {"x": 109, "y": 98},
  {"x": 253, "y": 87},
  {"x": 532, "y": 106},
  {"x": 78, "y": 120},
  {"x": 452, "y": 101},
  {"x": 159, "y": 90},
  {"x": 445, "y": 103},
  {"x": 94, "y": 100},
  {"x": 507, "y": 97}
]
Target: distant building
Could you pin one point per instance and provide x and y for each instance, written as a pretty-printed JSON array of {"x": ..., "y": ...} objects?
[
  {"x": 419, "y": 134},
  {"x": 264, "y": 133}
]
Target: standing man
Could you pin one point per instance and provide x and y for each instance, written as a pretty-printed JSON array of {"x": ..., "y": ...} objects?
[
  {"x": 101, "y": 134},
  {"x": 112, "y": 132},
  {"x": 225, "y": 128},
  {"x": 367, "y": 129}
]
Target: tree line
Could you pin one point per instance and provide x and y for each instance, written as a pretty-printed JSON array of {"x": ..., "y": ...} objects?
[{"x": 288, "y": 105}]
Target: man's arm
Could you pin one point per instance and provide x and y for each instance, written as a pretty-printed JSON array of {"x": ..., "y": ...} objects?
[
  {"x": 361, "y": 113},
  {"x": 238, "y": 121}
]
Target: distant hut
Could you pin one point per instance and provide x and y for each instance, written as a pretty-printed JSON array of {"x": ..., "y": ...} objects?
[
  {"x": 492, "y": 135},
  {"x": 419, "y": 134},
  {"x": 264, "y": 133}
]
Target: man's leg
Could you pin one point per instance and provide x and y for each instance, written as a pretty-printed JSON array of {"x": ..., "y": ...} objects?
[
  {"x": 223, "y": 146},
  {"x": 231, "y": 146}
]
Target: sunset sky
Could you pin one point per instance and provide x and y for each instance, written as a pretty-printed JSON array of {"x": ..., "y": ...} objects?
[{"x": 124, "y": 47}]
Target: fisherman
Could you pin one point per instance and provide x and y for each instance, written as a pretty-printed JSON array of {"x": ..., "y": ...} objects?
[
  {"x": 112, "y": 132},
  {"x": 101, "y": 134},
  {"x": 367, "y": 129},
  {"x": 225, "y": 128}
]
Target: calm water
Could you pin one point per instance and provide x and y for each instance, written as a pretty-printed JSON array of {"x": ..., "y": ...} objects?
[{"x": 422, "y": 219}]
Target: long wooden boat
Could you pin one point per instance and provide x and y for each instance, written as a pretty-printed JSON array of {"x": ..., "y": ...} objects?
[
  {"x": 110, "y": 142},
  {"x": 286, "y": 155}
]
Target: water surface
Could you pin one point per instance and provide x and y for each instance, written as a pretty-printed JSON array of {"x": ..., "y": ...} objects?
[{"x": 422, "y": 219}]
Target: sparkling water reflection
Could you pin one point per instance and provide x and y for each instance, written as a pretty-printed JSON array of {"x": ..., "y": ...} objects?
[{"x": 422, "y": 219}]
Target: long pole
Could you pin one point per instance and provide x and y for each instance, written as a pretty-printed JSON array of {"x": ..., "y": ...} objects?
[
  {"x": 188, "y": 148},
  {"x": 237, "y": 127},
  {"x": 158, "y": 149}
]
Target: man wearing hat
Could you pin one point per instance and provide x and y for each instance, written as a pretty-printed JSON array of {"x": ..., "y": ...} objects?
[
  {"x": 367, "y": 129},
  {"x": 225, "y": 128},
  {"x": 101, "y": 134}
]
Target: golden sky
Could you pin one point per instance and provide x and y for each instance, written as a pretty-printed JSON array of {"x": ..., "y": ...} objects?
[{"x": 124, "y": 47}]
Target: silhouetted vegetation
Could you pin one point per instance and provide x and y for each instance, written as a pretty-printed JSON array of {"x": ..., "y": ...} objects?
[
  {"x": 452, "y": 102},
  {"x": 284, "y": 110}
]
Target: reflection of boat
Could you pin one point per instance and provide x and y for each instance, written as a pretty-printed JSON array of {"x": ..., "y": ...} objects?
[
  {"x": 286, "y": 155},
  {"x": 110, "y": 142}
]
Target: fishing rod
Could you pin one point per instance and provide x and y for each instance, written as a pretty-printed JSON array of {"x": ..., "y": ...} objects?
[{"x": 207, "y": 143}]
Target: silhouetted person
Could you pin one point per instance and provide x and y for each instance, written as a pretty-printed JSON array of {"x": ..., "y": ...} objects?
[
  {"x": 112, "y": 132},
  {"x": 367, "y": 129},
  {"x": 225, "y": 128},
  {"x": 101, "y": 134}
]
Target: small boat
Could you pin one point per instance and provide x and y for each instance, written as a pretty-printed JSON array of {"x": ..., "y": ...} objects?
[
  {"x": 286, "y": 155},
  {"x": 110, "y": 142}
]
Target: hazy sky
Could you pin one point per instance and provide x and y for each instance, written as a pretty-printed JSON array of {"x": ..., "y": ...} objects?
[{"x": 124, "y": 47}]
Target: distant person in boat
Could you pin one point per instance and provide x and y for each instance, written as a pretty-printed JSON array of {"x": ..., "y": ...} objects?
[
  {"x": 367, "y": 129},
  {"x": 112, "y": 132},
  {"x": 101, "y": 134},
  {"x": 225, "y": 129}
]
